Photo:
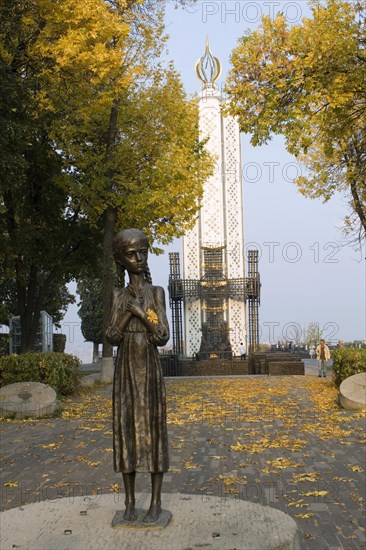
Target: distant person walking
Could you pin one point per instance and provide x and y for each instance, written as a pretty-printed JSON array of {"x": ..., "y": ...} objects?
[
  {"x": 312, "y": 352},
  {"x": 323, "y": 356},
  {"x": 242, "y": 350}
]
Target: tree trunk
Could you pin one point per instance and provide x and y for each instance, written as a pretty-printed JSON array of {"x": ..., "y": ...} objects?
[
  {"x": 95, "y": 352},
  {"x": 30, "y": 317},
  {"x": 109, "y": 223},
  {"x": 110, "y": 217},
  {"x": 29, "y": 314},
  {"x": 28, "y": 327},
  {"x": 29, "y": 324},
  {"x": 358, "y": 205}
]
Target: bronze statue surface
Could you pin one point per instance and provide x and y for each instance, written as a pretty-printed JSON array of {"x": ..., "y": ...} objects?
[{"x": 138, "y": 324}]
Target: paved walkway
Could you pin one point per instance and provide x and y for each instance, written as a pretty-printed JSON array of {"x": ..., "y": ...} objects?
[{"x": 276, "y": 441}]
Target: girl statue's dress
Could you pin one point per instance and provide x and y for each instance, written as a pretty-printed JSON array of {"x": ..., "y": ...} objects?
[{"x": 140, "y": 441}]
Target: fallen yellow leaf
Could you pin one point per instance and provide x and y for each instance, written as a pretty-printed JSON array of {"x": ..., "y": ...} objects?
[
  {"x": 87, "y": 461},
  {"x": 298, "y": 504},
  {"x": 347, "y": 479},
  {"x": 307, "y": 476},
  {"x": 355, "y": 468},
  {"x": 315, "y": 494},
  {"x": 191, "y": 466}
]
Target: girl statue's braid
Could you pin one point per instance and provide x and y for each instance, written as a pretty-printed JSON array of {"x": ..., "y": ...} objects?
[
  {"x": 121, "y": 275},
  {"x": 148, "y": 275}
]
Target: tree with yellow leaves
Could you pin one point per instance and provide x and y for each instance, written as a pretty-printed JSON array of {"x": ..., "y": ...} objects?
[
  {"x": 98, "y": 135},
  {"x": 140, "y": 154},
  {"x": 307, "y": 82},
  {"x": 55, "y": 63}
]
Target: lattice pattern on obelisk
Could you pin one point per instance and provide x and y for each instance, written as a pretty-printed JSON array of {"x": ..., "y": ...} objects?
[
  {"x": 220, "y": 223},
  {"x": 234, "y": 225},
  {"x": 233, "y": 197},
  {"x": 211, "y": 219}
]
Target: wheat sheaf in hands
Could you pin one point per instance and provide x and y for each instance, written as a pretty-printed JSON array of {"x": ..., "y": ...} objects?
[{"x": 152, "y": 317}]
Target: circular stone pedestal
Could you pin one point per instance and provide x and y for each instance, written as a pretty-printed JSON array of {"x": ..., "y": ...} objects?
[
  {"x": 352, "y": 392},
  {"x": 27, "y": 399},
  {"x": 197, "y": 522}
]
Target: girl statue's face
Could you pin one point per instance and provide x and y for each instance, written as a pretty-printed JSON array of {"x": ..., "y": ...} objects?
[{"x": 134, "y": 256}]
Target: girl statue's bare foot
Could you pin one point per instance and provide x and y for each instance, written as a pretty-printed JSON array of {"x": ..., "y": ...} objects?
[
  {"x": 130, "y": 513},
  {"x": 153, "y": 514}
]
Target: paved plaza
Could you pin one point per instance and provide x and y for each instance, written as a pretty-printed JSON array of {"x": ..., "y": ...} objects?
[{"x": 277, "y": 441}]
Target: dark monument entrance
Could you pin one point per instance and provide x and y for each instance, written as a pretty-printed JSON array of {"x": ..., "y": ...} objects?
[{"x": 215, "y": 331}]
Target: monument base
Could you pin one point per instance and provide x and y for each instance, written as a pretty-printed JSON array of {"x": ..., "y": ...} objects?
[{"x": 198, "y": 521}]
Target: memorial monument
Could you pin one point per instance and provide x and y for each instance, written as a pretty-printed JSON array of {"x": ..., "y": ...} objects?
[
  {"x": 137, "y": 325},
  {"x": 209, "y": 302}
]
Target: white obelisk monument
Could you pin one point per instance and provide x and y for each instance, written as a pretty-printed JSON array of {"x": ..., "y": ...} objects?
[{"x": 213, "y": 251}]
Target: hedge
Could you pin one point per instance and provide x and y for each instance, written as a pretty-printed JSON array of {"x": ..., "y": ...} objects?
[
  {"x": 58, "y": 370},
  {"x": 346, "y": 362},
  {"x": 59, "y": 342}
]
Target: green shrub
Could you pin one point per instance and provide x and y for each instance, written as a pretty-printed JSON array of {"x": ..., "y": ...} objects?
[
  {"x": 346, "y": 362},
  {"x": 4, "y": 343},
  {"x": 58, "y": 370},
  {"x": 59, "y": 342}
]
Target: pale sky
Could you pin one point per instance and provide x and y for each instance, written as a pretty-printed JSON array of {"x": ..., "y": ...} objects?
[{"x": 308, "y": 272}]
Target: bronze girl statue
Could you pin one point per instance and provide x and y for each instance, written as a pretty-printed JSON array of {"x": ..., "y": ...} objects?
[{"x": 137, "y": 325}]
